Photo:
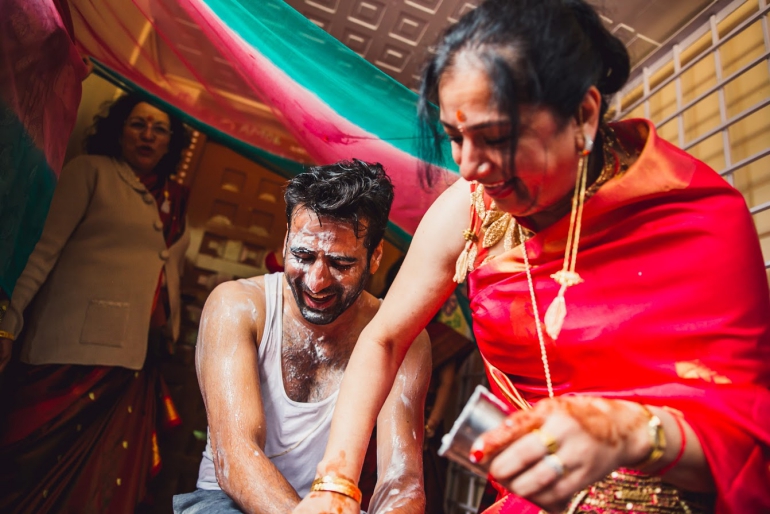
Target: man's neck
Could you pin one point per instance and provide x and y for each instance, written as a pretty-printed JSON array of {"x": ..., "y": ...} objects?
[{"x": 315, "y": 356}]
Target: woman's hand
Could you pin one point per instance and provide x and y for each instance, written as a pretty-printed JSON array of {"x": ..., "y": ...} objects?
[
  {"x": 327, "y": 502},
  {"x": 548, "y": 454},
  {"x": 6, "y": 348}
]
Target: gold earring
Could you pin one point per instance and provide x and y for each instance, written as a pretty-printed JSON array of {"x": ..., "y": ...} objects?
[{"x": 567, "y": 276}]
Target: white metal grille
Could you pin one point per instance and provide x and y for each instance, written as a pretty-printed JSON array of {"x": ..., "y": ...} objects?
[
  {"x": 464, "y": 489},
  {"x": 725, "y": 122}
]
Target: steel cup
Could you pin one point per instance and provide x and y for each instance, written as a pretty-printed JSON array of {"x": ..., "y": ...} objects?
[{"x": 483, "y": 412}]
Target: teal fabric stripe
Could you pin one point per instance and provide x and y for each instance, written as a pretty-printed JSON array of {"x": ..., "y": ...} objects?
[
  {"x": 282, "y": 166},
  {"x": 27, "y": 183},
  {"x": 350, "y": 85}
]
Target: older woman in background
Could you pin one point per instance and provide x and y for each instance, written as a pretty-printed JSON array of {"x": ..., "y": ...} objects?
[
  {"x": 78, "y": 433},
  {"x": 617, "y": 286}
]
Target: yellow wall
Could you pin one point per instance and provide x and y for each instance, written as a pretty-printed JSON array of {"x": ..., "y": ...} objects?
[
  {"x": 97, "y": 93},
  {"x": 746, "y": 137}
]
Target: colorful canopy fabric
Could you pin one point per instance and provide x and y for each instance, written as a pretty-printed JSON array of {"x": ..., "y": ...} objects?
[
  {"x": 40, "y": 76},
  {"x": 210, "y": 58},
  {"x": 219, "y": 64}
]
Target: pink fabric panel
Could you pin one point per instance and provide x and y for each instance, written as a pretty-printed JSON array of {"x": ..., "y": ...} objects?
[
  {"x": 190, "y": 42},
  {"x": 40, "y": 73}
]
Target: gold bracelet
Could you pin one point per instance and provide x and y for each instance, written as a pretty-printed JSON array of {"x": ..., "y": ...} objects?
[
  {"x": 4, "y": 334},
  {"x": 657, "y": 439},
  {"x": 337, "y": 485}
]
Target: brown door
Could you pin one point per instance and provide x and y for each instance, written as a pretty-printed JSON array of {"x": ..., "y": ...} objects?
[{"x": 237, "y": 215}]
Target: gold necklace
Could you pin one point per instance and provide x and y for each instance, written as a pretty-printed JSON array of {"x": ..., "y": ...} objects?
[
  {"x": 567, "y": 276},
  {"x": 540, "y": 338},
  {"x": 498, "y": 225}
]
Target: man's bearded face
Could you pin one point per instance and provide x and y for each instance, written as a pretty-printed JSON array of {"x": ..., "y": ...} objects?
[{"x": 326, "y": 265}]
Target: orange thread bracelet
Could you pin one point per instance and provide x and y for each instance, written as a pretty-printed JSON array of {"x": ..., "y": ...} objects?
[{"x": 682, "y": 446}]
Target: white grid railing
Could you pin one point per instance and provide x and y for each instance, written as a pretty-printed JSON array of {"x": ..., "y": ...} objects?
[
  {"x": 725, "y": 122},
  {"x": 463, "y": 488}
]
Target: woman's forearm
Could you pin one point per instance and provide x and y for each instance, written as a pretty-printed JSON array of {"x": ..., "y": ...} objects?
[
  {"x": 416, "y": 294},
  {"x": 365, "y": 386}
]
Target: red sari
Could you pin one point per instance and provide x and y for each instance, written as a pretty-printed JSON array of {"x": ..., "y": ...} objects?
[
  {"x": 83, "y": 439},
  {"x": 674, "y": 311}
]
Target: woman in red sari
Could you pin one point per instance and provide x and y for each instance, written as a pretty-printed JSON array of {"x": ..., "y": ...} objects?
[
  {"x": 616, "y": 284},
  {"x": 88, "y": 320}
]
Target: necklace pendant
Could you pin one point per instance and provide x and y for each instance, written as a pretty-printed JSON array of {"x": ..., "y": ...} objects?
[
  {"x": 165, "y": 206},
  {"x": 554, "y": 316}
]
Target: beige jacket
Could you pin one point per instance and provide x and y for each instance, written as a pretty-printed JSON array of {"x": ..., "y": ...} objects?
[{"x": 94, "y": 272}]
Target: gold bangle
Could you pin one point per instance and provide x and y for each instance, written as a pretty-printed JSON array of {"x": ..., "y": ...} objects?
[
  {"x": 337, "y": 485},
  {"x": 4, "y": 334},
  {"x": 657, "y": 439}
]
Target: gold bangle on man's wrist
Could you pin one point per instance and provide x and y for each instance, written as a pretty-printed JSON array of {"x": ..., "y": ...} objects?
[
  {"x": 657, "y": 440},
  {"x": 4, "y": 334},
  {"x": 337, "y": 485}
]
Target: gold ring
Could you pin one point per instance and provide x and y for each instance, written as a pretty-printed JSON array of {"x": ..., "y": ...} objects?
[{"x": 551, "y": 446}]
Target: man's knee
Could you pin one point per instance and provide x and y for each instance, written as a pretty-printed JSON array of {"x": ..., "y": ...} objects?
[{"x": 201, "y": 501}]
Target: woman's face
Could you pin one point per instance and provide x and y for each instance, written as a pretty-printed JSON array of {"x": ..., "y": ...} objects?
[
  {"x": 546, "y": 156},
  {"x": 146, "y": 134}
]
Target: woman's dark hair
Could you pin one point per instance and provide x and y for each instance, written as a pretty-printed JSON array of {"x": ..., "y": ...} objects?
[
  {"x": 351, "y": 191},
  {"x": 544, "y": 53},
  {"x": 105, "y": 134}
]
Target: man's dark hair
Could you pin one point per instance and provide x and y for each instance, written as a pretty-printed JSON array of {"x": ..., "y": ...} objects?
[
  {"x": 543, "y": 53},
  {"x": 352, "y": 191},
  {"x": 107, "y": 131}
]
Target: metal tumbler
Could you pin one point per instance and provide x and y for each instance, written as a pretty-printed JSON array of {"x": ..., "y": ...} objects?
[{"x": 483, "y": 412}]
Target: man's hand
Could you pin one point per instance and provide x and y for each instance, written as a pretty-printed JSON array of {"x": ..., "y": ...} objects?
[
  {"x": 327, "y": 502},
  {"x": 6, "y": 348}
]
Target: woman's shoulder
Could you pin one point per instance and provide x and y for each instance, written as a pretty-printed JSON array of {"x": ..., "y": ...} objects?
[
  {"x": 91, "y": 166},
  {"x": 89, "y": 161}
]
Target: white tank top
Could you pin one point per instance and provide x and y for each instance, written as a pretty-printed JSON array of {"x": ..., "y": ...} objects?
[{"x": 297, "y": 432}]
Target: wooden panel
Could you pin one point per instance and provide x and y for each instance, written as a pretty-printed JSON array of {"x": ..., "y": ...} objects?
[
  {"x": 237, "y": 199},
  {"x": 237, "y": 216}
]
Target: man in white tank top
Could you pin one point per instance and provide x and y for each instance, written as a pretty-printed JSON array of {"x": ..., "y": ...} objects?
[{"x": 272, "y": 350}]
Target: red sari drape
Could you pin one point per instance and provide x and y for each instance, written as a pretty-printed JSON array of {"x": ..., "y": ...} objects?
[
  {"x": 674, "y": 310},
  {"x": 83, "y": 439}
]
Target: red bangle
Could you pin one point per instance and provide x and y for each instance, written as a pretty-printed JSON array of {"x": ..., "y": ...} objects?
[{"x": 682, "y": 446}]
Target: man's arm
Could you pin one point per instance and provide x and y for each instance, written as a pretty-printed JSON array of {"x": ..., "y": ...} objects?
[
  {"x": 226, "y": 361},
  {"x": 399, "y": 436}
]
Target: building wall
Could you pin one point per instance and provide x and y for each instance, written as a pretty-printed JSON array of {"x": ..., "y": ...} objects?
[{"x": 739, "y": 140}]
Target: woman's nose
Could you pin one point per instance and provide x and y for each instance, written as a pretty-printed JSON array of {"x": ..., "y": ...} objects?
[
  {"x": 473, "y": 165},
  {"x": 147, "y": 134}
]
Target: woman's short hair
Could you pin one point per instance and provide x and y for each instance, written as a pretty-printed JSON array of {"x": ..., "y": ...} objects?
[
  {"x": 543, "y": 53},
  {"x": 107, "y": 130}
]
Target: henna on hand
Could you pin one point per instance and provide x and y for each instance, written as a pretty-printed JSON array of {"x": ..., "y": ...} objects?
[
  {"x": 606, "y": 421},
  {"x": 494, "y": 441}
]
